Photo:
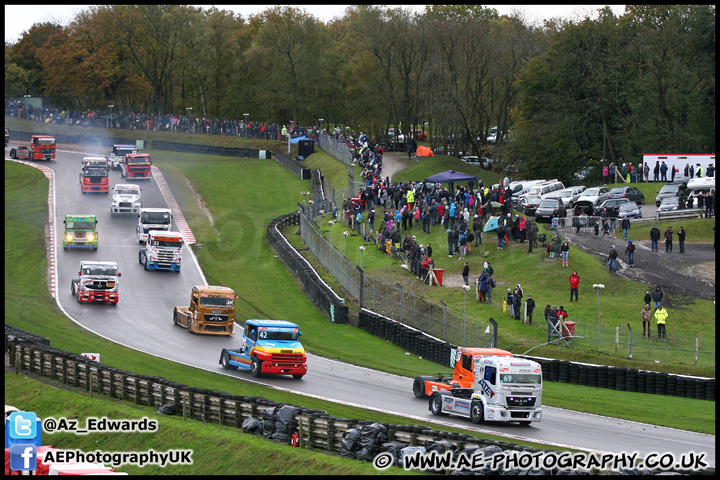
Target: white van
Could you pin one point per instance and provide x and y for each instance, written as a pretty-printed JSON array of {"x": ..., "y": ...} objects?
[
  {"x": 544, "y": 188},
  {"x": 522, "y": 187}
]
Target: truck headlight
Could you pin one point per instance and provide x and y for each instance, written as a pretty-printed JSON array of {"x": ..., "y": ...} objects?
[
  {"x": 90, "y": 237},
  {"x": 69, "y": 237}
]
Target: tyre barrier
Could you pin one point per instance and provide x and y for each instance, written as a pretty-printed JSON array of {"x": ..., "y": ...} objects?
[
  {"x": 407, "y": 338},
  {"x": 625, "y": 379},
  {"x": 281, "y": 423}
]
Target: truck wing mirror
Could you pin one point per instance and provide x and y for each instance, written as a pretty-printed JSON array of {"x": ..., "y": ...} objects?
[
  {"x": 119, "y": 274},
  {"x": 299, "y": 333}
]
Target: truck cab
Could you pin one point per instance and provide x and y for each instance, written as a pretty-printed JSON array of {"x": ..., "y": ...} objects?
[
  {"x": 505, "y": 389},
  {"x": 211, "y": 311},
  {"x": 153, "y": 219},
  {"x": 125, "y": 199},
  {"x": 42, "y": 147},
  {"x": 463, "y": 375},
  {"x": 80, "y": 232},
  {"x": 117, "y": 155},
  {"x": 94, "y": 176},
  {"x": 136, "y": 166},
  {"x": 162, "y": 251},
  {"x": 98, "y": 282},
  {"x": 268, "y": 347}
]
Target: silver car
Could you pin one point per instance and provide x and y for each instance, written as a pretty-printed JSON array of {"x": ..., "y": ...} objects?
[
  {"x": 594, "y": 196},
  {"x": 629, "y": 210},
  {"x": 669, "y": 203},
  {"x": 568, "y": 195}
]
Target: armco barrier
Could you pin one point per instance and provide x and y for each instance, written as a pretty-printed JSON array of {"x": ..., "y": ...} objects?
[
  {"x": 293, "y": 165},
  {"x": 207, "y": 149},
  {"x": 318, "y": 291}
]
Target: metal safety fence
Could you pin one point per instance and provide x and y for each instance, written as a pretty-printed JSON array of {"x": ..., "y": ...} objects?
[
  {"x": 394, "y": 301},
  {"x": 629, "y": 342}
]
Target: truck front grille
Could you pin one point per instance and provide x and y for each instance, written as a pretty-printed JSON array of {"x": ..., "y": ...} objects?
[
  {"x": 287, "y": 359},
  {"x": 214, "y": 317},
  {"x": 521, "y": 401}
]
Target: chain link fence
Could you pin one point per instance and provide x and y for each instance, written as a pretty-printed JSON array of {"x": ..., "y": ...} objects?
[
  {"x": 394, "y": 301},
  {"x": 627, "y": 342}
]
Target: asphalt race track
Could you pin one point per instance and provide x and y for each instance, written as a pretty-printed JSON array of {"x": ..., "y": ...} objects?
[{"x": 143, "y": 320}]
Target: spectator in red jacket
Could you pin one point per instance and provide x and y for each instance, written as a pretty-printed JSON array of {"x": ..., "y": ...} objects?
[{"x": 574, "y": 285}]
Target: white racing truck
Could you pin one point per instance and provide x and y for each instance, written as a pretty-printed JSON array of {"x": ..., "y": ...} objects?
[
  {"x": 125, "y": 199},
  {"x": 153, "y": 219},
  {"x": 505, "y": 389},
  {"x": 162, "y": 251}
]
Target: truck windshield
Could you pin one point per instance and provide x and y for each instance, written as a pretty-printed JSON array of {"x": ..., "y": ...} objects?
[
  {"x": 88, "y": 225},
  {"x": 158, "y": 218},
  {"x": 100, "y": 270},
  {"x": 216, "y": 301},
  {"x": 138, "y": 159},
  {"x": 267, "y": 334},
  {"x": 524, "y": 378},
  {"x": 127, "y": 191},
  {"x": 46, "y": 142},
  {"x": 121, "y": 152},
  {"x": 95, "y": 172}
]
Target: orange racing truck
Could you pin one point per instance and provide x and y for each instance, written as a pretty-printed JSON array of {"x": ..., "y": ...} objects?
[
  {"x": 42, "y": 147},
  {"x": 94, "y": 178},
  {"x": 463, "y": 375},
  {"x": 269, "y": 347},
  {"x": 136, "y": 166}
]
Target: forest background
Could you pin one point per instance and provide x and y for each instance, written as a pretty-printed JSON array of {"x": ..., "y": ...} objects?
[{"x": 563, "y": 95}]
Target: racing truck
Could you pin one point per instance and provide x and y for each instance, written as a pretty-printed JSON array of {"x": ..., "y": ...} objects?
[
  {"x": 125, "y": 199},
  {"x": 136, "y": 166},
  {"x": 80, "y": 232},
  {"x": 41, "y": 147},
  {"x": 505, "y": 389},
  {"x": 268, "y": 347},
  {"x": 98, "y": 282},
  {"x": 463, "y": 375},
  {"x": 162, "y": 251},
  {"x": 7, "y": 137},
  {"x": 117, "y": 155},
  {"x": 211, "y": 311},
  {"x": 153, "y": 219},
  {"x": 94, "y": 178}
]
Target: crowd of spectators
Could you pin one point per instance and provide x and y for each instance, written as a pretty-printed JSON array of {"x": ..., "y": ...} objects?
[{"x": 167, "y": 122}]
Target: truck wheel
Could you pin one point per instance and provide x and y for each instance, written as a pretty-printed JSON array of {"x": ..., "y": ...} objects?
[
  {"x": 140, "y": 257},
  {"x": 477, "y": 413},
  {"x": 189, "y": 325},
  {"x": 72, "y": 286},
  {"x": 525, "y": 423},
  {"x": 298, "y": 377},
  {"x": 256, "y": 368},
  {"x": 419, "y": 387},
  {"x": 13, "y": 154},
  {"x": 436, "y": 404},
  {"x": 175, "y": 317},
  {"x": 225, "y": 360}
]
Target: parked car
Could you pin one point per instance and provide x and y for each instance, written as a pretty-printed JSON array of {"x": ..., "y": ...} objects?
[
  {"x": 670, "y": 190},
  {"x": 631, "y": 193},
  {"x": 583, "y": 173},
  {"x": 593, "y": 196},
  {"x": 612, "y": 205},
  {"x": 629, "y": 210},
  {"x": 669, "y": 203},
  {"x": 528, "y": 204},
  {"x": 544, "y": 188},
  {"x": 547, "y": 209},
  {"x": 568, "y": 195},
  {"x": 470, "y": 159}
]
